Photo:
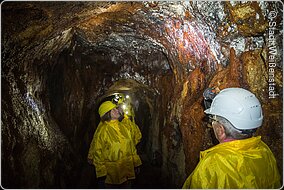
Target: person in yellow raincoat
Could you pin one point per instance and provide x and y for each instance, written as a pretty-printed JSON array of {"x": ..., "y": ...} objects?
[
  {"x": 113, "y": 148},
  {"x": 239, "y": 160}
]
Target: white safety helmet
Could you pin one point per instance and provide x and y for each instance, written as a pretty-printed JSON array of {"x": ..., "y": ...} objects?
[{"x": 239, "y": 106}]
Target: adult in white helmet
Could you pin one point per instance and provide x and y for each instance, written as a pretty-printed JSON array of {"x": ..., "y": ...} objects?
[{"x": 239, "y": 160}]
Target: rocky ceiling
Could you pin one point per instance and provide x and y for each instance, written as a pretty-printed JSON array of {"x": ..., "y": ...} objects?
[{"x": 59, "y": 60}]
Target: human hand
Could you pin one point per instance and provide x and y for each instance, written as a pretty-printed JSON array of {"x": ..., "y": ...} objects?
[
  {"x": 137, "y": 170},
  {"x": 90, "y": 161}
]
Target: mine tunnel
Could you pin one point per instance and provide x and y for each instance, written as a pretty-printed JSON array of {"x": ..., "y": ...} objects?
[{"x": 60, "y": 60}]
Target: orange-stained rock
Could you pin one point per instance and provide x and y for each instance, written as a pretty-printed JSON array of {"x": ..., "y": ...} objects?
[
  {"x": 255, "y": 73},
  {"x": 271, "y": 130},
  {"x": 248, "y": 17},
  {"x": 230, "y": 76},
  {"x": 193, "y": 130},
  {"x": 197, "y": 81}
]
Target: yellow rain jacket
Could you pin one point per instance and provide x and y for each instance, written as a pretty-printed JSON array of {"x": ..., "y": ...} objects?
[
  {"x": 113, "y": 150},
  {"x": 237, "y": 164}
]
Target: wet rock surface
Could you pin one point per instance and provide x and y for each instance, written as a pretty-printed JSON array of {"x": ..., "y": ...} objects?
[{"x": 61, "y": 59}]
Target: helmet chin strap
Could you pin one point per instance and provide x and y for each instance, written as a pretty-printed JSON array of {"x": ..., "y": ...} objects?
[{"x": 248, "y": 131}]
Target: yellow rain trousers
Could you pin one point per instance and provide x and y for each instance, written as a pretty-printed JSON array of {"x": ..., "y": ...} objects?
[
  {"x": 113, "y": 150},
  {"x": 237, "y": 164}
]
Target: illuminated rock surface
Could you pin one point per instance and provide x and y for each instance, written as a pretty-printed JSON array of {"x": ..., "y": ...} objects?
[{"x": 60, "y": 59}]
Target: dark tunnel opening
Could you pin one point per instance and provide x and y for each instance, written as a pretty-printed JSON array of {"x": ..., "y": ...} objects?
[
  {"x": 144, "y": 101},
  {"x": 84, "y": 75}
]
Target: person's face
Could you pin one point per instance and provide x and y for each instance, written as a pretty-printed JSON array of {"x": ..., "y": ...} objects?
[
  {"x": 120, "y": 110},
  {"x": 117, "y": 113}
]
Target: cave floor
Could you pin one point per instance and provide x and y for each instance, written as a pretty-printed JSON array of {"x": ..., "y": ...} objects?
[{"x": 149, "y": 176}]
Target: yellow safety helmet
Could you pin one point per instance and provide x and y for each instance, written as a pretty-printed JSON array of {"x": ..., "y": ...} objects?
[{"x": 106, "y": 107}]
